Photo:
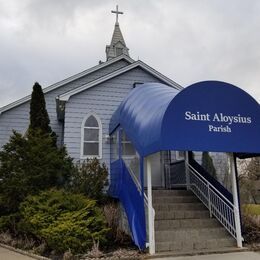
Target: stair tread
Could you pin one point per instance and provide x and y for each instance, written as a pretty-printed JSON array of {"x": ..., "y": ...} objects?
[
  {"x": 228, "y": 238},
  {"x": 181, "y": 210},
  {"x": 191, "y": 219},
  {"x": 161, "y": 224},
  {"x": 216, "y": 244},
  {"x": 179, "y": 203},
  {"x": 192, "y": 229},
  {"x": 221, "y": 250}
]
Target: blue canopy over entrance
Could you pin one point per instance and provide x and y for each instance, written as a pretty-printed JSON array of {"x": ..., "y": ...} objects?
[{"x": 206, "y": 116}]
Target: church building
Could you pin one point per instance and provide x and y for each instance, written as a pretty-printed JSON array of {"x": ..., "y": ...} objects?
[{"x": 152, "y": 134}]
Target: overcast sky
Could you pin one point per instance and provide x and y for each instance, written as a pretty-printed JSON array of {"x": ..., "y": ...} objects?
[{"x": 186, "y": 40}]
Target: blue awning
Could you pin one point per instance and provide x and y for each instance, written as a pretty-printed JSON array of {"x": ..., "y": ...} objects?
[{"x": 206, "y": 116}]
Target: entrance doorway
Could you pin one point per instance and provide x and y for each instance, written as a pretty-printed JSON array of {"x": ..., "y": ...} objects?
[
  {"x": 157, "y": 170},
  {"x": 174, "y": 169}
]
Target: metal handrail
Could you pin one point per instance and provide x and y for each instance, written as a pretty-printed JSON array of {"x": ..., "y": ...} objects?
[
  {"x": 224, "y": 211},
  {"x": 207, "y": 182},
  {"x": 138, "y": 184}
]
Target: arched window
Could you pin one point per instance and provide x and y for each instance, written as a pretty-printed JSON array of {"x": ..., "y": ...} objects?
[{"x": 91, "y": 136}]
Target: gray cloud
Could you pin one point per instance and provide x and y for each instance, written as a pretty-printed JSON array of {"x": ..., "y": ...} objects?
[{"x": 189, "y": 41}]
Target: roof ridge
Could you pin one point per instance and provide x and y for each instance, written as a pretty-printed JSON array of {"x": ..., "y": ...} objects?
[
  {"x": 88, "y": 71},
  {"x": 65, "y": 96},
  {"x": 65, "y": 81}
]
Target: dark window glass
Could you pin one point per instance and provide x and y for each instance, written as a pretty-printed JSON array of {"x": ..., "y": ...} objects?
[
  {"x": 91, "y": 122},
  {"x": 91, "y": 149},
  {"x": 91, "y": 134}
]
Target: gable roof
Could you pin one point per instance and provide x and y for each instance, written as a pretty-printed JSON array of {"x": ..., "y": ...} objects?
[
  {"x": 66, "y": 96},
  {"x": 67, "y": 80}
]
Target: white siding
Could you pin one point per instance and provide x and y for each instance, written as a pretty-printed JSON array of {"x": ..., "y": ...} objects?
[
  {"x": 17, "y": 118},
  {"x": 102, "y": 99}
]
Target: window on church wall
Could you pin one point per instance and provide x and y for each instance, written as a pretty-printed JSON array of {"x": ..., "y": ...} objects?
[
  {"x": 91, "y": 137},
  {"x": 114, "y": 143},
  {"x": 127, "y": 147}
]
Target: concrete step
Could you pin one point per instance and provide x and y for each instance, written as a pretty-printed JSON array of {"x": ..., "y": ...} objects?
[
  {"x": 179, "y": 206},
  {"x": 181, "y": 214},
  {"x": 170, "y": 224},
  {"x": 192, "y": 245},
  {"x": 190, "y": 234},
  {"x": 182, "y": 224},
  {"x": 163, "y": 193},
  {"x": 174, "y": 199}
]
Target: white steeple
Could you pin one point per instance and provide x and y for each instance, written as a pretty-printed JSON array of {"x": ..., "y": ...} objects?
[{"x": 117, "y": 45}]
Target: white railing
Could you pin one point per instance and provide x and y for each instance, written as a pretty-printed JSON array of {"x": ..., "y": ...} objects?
[
  {"x": 217, "y": 204},
  {"x": 139, "y": 188}
]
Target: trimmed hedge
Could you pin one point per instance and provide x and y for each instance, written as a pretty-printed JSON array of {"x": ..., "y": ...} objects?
[{"x": 65, "y": 221}]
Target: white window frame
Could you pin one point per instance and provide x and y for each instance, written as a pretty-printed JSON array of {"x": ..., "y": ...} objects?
[
  {"x": 128, "y": 156},
  {"x": 82, "y": 156},
  {"x": 116, "y": 134}
]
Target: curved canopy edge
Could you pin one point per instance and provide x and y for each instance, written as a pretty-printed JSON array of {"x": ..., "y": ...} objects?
[{"x": 206, "y": 116}]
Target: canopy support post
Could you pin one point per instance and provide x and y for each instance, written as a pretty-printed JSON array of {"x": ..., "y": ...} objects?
[
  {"x": 142, "y": 175},
  {"x": 235, "y": 199},
  {"x": 150, "y": 207},
  {"x": 187, "y": 175}
]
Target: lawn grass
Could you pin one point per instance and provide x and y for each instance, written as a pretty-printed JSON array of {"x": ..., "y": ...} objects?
[{"x": 252, "y": 209}]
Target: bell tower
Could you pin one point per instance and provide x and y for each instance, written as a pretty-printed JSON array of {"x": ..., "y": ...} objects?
[{"x": 117, "y": 45}]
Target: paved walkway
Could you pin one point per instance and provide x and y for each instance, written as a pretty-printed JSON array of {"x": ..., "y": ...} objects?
[
  {"x": 6, "y": 254},
  {"x": 227, "y": 256}
]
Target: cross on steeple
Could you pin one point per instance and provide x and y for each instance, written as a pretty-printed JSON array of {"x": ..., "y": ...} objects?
[
  {"x": 117, "y": 45},
  {"x": 117, "y": 13}
]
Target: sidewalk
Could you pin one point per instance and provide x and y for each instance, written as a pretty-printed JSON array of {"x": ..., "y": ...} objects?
[
  {"x": 227, "y": 256},
  {"x": 6, "y": 254}
]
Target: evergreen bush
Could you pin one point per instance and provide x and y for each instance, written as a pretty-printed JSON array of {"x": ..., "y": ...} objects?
[
  {"x": 65, "y": 221},
  {"x": 29, "y": 165},
  {"x": 32, "y": 162},
  {"x": 39, "y": 118}
]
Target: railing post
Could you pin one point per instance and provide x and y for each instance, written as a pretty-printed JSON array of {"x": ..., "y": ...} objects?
[
  {"x": 167, "y": 176},
  {"x": 235, "y": 199},
  {"x": 187, "y": 173},
  {"x": 209, "y": 202},
  {"x": 150, "y": 207}
]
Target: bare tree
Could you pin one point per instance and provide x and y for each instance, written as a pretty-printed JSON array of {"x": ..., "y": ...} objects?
[{"x": 249, "y": 179}]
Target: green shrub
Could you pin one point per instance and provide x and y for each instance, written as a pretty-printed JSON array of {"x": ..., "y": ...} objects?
[
  {"x": 63, "y": 220},
  {"x": 29, "y": 165},
  {"x": 39, "y": 118},
  {"x": 9, "y": 222},
  {"x": 90, "y": 178}
]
